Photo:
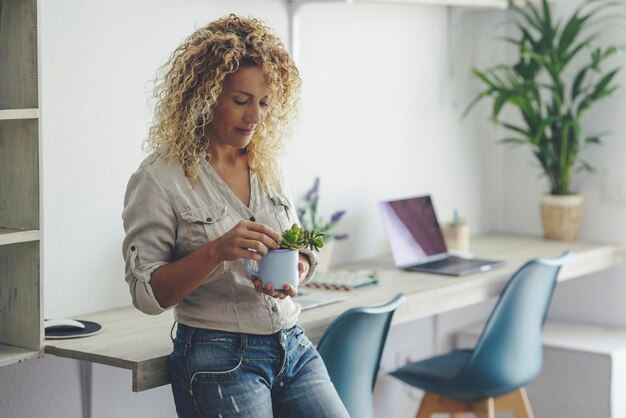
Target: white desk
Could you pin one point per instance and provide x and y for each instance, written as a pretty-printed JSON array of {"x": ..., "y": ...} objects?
[{"x": 141, "y": 343}]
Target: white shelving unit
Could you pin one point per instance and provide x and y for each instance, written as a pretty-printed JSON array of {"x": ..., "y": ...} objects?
[
  {"x": 21, "y": 321},
  {"x": 12, "y": 114}
]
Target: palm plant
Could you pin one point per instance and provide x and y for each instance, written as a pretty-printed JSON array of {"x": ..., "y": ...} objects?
[{"x": 549, "y": 94}]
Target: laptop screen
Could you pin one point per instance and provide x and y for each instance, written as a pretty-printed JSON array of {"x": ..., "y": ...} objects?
[{"x": 413, "y": 231}]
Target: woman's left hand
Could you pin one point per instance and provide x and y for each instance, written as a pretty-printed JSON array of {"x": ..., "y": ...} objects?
[
  {"x": 269, "y": 290},
  {"x": 287, "y": 290}
]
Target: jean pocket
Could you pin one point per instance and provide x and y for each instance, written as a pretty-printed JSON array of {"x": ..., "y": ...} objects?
[
  {"x": 218, "y": 372},
  {"x": 214, "y": 358},
  {"x": 178, "y": 369}
]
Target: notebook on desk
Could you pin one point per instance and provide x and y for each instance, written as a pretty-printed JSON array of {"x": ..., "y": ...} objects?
[
  {"x": 344, "y": 279},
  {"x": 309, "y": 299},
  {"x": 417, "y": 243}
]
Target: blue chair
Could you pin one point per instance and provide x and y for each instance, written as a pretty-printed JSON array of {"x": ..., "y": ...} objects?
[
  {"x": 351, "y": 348},
  {"x": 507, "y": 356}
]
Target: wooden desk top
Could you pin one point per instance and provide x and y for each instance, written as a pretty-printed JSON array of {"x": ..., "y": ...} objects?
[{"x": 141, "y": 343}]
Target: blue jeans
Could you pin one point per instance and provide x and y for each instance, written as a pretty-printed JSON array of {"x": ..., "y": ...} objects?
[{"x": 224, "y": 374}]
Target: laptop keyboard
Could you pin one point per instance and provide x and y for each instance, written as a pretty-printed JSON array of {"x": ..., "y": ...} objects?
[{"x": 444, "y": 262}]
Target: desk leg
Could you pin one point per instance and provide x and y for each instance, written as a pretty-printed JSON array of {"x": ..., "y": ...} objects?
[{"x": 86, "y": 380}]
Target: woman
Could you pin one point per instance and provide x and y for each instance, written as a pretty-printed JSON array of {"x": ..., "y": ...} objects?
[{"x": 209, "y": 197}]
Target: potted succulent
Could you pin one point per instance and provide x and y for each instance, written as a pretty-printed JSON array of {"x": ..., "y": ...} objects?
[
  {"x": 298, "y": 237},
  {"x": 279, "y": 267},
  {"x": 555, "y": 80},
  {"x": 310, "y": 219}
]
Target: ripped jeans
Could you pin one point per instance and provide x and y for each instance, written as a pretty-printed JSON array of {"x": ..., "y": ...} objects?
[{"x": 221, "y": 374}]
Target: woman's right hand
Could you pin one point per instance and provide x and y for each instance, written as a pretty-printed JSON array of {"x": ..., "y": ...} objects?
[{"x": 247, "y": 239}]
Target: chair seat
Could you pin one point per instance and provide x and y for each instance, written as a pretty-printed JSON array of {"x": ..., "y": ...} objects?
[
  {"x": 443, "y": 367},
  {"x": 441, "y": 375}
]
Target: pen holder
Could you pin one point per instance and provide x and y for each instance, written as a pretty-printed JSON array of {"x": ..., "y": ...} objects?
[{"x": 457, "y": 236}]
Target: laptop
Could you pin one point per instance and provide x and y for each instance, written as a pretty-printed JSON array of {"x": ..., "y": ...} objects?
[
  {"x": 309, "y": 299},
  {"x": 417, "y": 243}
]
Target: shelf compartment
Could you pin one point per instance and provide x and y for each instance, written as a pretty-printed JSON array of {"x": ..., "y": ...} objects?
[
  {"x": 12, "y": 114},
  {"x": 18, "y": 54},
  {"x": 14, "y": 236},
  {"x": 20, "y": 297},
  {"x": 19, "y": 174},
  {"x": 11, "y": 355}
]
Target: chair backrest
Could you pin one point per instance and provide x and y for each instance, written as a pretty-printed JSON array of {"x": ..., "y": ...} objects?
[
  {"x": 351, "y": 348},
  {"x": 508, "y": 353}
]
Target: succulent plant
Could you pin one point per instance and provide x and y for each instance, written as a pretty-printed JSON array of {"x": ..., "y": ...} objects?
[{"x": 297, "y": 237}]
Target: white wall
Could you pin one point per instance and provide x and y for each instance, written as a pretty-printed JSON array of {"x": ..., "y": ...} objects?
[
  {"x": 378, "y": 119},
  {"x": 384, "y": 86},
  {"x": 98, "y": 60},
  {"x": 598, "y": 298}
]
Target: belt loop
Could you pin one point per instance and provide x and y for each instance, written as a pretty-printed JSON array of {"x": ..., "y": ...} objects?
[
  {"x": 243, "y": 341},
  {"x": 189, "y": 336},
  {"x": 299, "y": 330}
]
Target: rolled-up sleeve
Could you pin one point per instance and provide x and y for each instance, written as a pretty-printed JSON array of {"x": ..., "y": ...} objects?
[{"x": 150, "y": 226}]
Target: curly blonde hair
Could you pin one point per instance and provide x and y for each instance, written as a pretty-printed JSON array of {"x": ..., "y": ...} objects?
[{"x": 191, "y": 81}]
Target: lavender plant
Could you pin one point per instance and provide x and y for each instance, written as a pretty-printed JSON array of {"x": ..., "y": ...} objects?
[{"x": 309, "y": 218}]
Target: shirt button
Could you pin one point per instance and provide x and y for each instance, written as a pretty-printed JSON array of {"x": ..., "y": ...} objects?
[
  {"x": 283, "y": 337},
  {"x": 274, "y": 308},
  {"x": 209, "y": 219},
  {"x": 253, "y": 219}
]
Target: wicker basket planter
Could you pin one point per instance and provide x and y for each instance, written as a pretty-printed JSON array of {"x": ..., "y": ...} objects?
[{"x": 561, "y": 216}]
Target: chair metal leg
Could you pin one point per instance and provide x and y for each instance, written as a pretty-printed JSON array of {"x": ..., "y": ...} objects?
[{"x": 516, "y": 402}]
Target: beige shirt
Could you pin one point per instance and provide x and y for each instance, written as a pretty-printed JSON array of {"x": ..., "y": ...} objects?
[{"x": 165, "y": 218}]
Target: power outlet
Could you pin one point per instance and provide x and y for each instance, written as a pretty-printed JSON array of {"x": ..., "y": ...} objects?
[
  {"x": 614, "y": 193},
  {"x": 415, "y": 394},
  {"x": 406, "y": 356}
]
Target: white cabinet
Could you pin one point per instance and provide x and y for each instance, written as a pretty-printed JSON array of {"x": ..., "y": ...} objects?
[
  {"x": 21, "y": 322},
  {"x": 583, "y": 374}
]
